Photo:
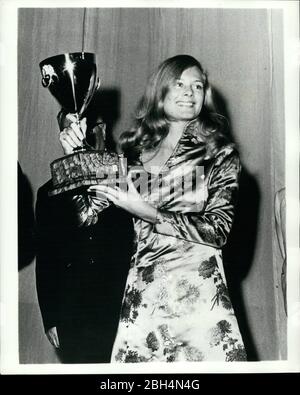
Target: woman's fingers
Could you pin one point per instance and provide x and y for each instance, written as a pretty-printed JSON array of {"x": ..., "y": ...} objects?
[
  {"x": 53, "y": 337},
  {"x": 72, "y": 117},
  {"x": 74, "y": 134},
  {"x": 67, "y": 144},
  {"x": 112, "y": 193},
  {"x": 70, "y": 138},
  {"x": 55, "y": 341},
  {"x": 77, "y": 130},
  {"x": 79, "y": 127},
  {"x": 130, "y": 183}
]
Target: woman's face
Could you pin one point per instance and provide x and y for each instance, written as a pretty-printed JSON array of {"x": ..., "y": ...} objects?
[{"x": 185, "y": 96}]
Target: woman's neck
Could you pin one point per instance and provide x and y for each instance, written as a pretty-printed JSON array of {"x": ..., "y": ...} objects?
[
  {"x": 154, "y": 160},
  {"x": 174, "y": 134}
]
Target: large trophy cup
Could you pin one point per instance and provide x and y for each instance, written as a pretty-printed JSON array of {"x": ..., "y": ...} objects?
[{"x": 72, "y": 79}]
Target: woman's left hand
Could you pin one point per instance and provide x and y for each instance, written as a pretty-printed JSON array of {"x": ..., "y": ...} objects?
[{"x": 129, "y": 200}]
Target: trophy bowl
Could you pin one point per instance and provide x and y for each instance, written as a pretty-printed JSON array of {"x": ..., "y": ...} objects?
[{"x": 72, "y": 79}]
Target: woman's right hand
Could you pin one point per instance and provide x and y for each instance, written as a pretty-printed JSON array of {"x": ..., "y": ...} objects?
[
  {"x": 53, "y": 337},
  {"x": 73, "y": 134}
]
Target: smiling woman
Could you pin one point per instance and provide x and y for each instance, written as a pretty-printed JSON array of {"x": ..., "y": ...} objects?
[
  {"x": 176, "y": 93},
  {"x": 185, "y": 98},
  {"x": 176, "y": 305},
  {"x": 242, "y": 50}
]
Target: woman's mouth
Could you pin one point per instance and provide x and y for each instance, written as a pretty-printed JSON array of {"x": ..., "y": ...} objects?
[{"x": 185, "y": 103}]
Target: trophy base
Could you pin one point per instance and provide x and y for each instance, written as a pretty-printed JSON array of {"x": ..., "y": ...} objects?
[{"x": 83, "y": 169}]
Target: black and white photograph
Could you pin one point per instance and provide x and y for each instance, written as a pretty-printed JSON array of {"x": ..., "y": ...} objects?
[{"x": 150, "y": 187}]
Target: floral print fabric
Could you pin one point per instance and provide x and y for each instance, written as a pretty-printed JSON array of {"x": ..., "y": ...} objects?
[{"x": 176, "y": 305}]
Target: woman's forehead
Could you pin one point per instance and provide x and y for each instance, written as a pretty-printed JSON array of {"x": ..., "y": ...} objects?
[{"x": 192, "y": 72}]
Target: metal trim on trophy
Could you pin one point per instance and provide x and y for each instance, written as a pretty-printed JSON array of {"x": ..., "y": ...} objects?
[{"x": 72, "y": 79}]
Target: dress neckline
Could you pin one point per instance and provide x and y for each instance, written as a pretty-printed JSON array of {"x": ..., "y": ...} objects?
[{"x": 174, "y": 152}]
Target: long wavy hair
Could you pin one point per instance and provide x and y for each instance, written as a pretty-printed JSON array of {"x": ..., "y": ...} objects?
[{"x": 151, "y": 124}]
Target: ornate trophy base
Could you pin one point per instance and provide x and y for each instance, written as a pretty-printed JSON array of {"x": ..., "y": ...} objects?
[{"x": 84, "y": 168}]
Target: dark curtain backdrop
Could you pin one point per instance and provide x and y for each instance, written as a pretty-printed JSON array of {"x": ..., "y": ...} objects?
[{"x": 242, "y": 50}]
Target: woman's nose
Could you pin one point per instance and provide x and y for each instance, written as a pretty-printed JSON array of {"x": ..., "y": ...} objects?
[{"x": 188, "y": 91}]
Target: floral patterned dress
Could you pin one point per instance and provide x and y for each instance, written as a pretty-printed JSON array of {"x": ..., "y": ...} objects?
[{"x": 176, "y": 305}]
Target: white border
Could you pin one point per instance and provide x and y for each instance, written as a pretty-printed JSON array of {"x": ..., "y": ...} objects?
[
  {"x": 8, "y": 197},
  {"x": 291, "y": 84}
]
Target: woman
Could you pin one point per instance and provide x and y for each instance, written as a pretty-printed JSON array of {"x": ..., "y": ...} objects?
[{"x": 176, "y": 305}]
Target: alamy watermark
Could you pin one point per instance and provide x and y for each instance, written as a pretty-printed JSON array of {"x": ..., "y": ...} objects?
[{"x": 184, "y": 182}]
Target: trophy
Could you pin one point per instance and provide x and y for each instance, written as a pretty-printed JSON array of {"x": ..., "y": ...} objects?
[{"x": 72, "y": 79}]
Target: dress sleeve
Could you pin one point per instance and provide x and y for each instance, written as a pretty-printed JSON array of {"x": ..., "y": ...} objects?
[
  {"x": 212, "y": 225},
  {"x": 87, "y": 208}
]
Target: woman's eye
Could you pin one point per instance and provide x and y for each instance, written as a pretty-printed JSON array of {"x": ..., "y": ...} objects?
[
  {"x": 179, "y": 84},
  {"x": 198, "y": 87}
]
